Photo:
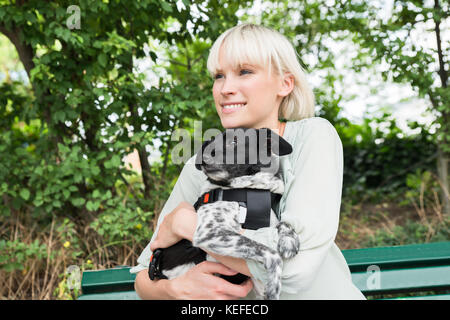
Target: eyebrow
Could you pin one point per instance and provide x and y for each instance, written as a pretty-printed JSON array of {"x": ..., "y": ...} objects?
[{"x": 240, "y": 66}]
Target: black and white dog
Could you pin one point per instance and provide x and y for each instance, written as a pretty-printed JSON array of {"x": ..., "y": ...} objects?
[{"x": 246, "y": 160}]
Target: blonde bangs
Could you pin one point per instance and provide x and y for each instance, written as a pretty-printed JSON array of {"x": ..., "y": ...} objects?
[{"x": 240, "y": 46}]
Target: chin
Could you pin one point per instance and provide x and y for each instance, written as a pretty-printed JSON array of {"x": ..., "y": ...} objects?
[{"x": 232, "y": 123}]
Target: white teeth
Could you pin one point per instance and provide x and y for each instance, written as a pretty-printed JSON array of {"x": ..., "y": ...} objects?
[{"x": 233, "y": 106}]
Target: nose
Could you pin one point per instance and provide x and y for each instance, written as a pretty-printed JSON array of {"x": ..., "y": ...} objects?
[{"x": 228, "y": 87}]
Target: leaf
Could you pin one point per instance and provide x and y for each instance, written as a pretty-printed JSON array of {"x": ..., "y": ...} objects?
[
  {"x": 96, "y": 193},
  {"x": 66, "y": 194},
  {"x": 38, "y": 202},
  {"x": 25, "y": 194},
  {"x": 78, "y": 202},
  {"x": 113, "y": 74},
  {"x": 95, "y": 170},
  {"x": 60, "y": 116},
  {"x": 115, "y": 161},
  {"x": 166, "y": 6},
  {"x": 102, "y": 59},
  {"x": 92, "y": 206}
]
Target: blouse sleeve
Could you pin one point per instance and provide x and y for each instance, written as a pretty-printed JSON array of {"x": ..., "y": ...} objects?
[
  {"x": 187, "y": 188},
  {"x": 312, "y": 205}
]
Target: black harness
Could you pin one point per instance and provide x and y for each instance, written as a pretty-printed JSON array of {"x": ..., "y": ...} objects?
[{"x": 257, "y": 203}]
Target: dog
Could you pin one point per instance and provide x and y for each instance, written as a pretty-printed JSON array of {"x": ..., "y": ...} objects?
[{"x": 237, "y": 159}]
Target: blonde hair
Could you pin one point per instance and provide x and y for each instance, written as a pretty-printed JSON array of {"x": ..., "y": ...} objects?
[{"x": 254, "y": 44}]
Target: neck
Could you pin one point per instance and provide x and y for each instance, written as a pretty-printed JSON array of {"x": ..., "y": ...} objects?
[{"x": 278, "y": 128}]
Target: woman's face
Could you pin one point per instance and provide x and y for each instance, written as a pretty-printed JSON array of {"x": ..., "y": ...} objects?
[{"x": 247, "y": 96}]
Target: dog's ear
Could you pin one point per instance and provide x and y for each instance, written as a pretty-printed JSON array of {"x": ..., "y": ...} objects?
[
  {"x": 199, "y": 158},
  {"x": 277, "y": 144}
]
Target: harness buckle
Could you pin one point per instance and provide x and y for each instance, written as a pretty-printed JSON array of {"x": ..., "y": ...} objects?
[
  {"x": 219, "y": 193},
  {"x": 153, "y": 268}
]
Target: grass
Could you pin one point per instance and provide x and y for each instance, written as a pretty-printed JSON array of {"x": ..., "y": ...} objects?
[{"x": 35, "y": 259}]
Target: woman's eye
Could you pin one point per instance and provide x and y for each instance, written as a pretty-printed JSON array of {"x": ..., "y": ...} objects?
[{"x": 241, "y": 72}]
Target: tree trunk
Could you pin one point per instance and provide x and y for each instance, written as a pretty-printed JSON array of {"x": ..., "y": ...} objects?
[
  {"x": 443, "y": 157},
  {"x": 442, "y": 165},
  {"x": 24, "y": 50}
]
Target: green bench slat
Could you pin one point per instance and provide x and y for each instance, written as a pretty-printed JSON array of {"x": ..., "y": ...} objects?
[
  {"x": 401, "y": 280},
  {"x": 410, "y": 256},
  {"x": 121, "y": 295},
  {"x": 432, "y": 297},
  {"x": 408, "y": 268},
  {"x": 110, "y": 280}
]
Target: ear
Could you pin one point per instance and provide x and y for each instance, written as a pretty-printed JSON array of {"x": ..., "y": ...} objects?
[
  {"x": 287, "y": 84},
  {"x": 199, "y": 158},
  {"x": 277, "y": 144}
]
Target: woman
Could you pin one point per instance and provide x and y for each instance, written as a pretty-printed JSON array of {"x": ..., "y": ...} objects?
[{"x": 257, "y": 81}]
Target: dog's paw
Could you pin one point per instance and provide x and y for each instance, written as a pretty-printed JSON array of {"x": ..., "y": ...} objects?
[
  {"x": 272, "y": 295},
  {"x": 288, "y": 241},
  {"x": 273, "y": 291}
]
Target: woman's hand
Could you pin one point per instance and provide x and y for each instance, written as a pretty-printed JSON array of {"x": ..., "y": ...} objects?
[
  {"x": 176, "y": 225},
  {"x": 200, "y": 282}
]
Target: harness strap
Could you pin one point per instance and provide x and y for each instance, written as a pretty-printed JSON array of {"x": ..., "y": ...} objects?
[
  {"x": 257, "y": 202},
  {"x": 180, "y": 253}
]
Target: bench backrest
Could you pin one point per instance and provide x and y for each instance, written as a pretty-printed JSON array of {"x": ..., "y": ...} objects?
[{"x": 381, "y": 270}]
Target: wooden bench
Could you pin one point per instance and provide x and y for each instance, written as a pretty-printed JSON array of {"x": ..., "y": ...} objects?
[{"x": 410, "y": 270}]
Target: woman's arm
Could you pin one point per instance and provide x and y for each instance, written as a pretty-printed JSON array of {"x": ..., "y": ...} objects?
[
  {"x": 152, "y": 290},
  {"x": 200, "y": 282},
  {"x": 181, "y": 224}
]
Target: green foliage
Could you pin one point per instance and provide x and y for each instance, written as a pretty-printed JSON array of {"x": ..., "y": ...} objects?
[
  {"x": 122, "y": 224},
  {"x": 380, "y": 160},
  {"x": 423, "y": 187},
  {"x": 14, "y": 254},
  {"x": 61, "y": 152}
]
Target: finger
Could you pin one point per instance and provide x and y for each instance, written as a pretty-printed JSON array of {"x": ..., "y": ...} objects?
[
  {"x": 154, "y": 245},
  {"x": 248, "y": 285},
  {"x": 235, "y": 290},
  {"x": 216, "y": 267}
]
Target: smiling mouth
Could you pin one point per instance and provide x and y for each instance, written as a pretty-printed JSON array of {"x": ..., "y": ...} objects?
[
  {"x": 234, "y": 106},
  {"x": 231, "y": 108}
]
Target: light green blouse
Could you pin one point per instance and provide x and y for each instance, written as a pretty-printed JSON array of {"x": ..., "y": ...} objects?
[{"x": 312, "y": 174}]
